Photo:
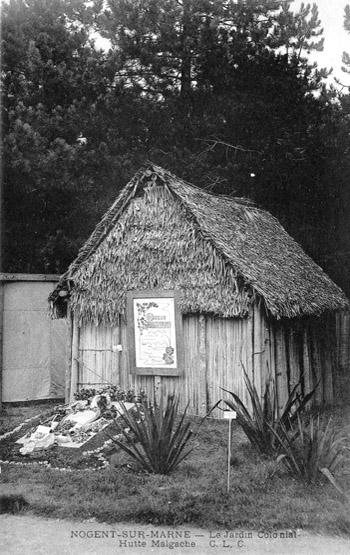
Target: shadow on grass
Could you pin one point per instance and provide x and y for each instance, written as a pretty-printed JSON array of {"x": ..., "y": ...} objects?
[{"x": 13, "y": 504}]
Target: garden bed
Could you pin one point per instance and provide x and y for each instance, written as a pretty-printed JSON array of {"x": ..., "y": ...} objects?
[{"x": 70, "y": 445}]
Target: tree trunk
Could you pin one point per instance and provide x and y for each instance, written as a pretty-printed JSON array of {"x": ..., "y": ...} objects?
[{"x": 186, "y": 54}]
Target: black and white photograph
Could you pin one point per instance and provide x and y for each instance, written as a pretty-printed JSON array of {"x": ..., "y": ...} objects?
[{"x": 175, "y": 277}]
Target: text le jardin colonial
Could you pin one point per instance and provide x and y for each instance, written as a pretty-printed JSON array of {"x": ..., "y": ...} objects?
[{"x": 177, "y": 538}]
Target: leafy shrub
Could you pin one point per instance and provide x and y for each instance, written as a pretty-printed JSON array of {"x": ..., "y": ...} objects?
[
  {"x": 311, "y": 448},
  {"x": 156, "y": 439},
  {"x": 263, "y": 425}
]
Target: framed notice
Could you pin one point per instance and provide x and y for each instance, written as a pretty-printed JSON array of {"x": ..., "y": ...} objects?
[{"x": 154, "y": 332}]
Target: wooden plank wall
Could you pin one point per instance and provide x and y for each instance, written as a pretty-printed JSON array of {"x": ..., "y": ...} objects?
[
  {"x": 98, "y": 362},
  {"x": 343, "y": 341},
  {"x": 215, "y": 352}
]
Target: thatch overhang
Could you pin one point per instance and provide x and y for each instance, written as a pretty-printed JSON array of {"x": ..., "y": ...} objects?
[{"x": 221, "y": 253}]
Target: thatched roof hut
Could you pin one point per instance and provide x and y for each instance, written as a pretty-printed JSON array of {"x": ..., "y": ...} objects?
[
  {"x": 220, "y": 252},
  {"x": 223, "y": 256}
]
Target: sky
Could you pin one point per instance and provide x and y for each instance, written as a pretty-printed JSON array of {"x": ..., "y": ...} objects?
[{"x": 337, "y": 40}]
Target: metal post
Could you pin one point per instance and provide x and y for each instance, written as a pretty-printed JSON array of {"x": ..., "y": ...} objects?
[
  {"x": 229, "y": 415},
  {"x": 229, "y": 456}
]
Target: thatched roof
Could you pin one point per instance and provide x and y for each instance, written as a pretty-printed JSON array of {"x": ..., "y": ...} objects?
[{"x": 221, "y": 253}]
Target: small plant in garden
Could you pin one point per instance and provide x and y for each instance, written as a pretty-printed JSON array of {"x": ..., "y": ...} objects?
[
  {"x": 312, "y": 448},
  {"x": 155, "y": 437},
  {"x": 263, "y": 425}
]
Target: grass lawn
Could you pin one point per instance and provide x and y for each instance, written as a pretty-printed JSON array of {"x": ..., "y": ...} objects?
[{"x": 261, "y": 496}]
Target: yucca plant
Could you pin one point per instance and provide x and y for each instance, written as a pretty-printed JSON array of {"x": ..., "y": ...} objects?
[
  {"x": 156, "y": 438},
  {"x": 311, "y": 449},
  {"x": 263, "y": 424}
]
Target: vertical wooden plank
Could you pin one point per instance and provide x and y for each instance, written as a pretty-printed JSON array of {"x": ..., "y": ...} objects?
[
  {"x": 195, "y": 384},
  {"x": 294, "y": 377},
  {"x": 317, "y": 362},
  {"x": 117, "y": 356},
  {"x": 105, "y": 345},
  {"x": 242, "y": 392},
  {"x": 209, "y": 354},
  {"x": 271, "y": 370},
  {"x": 101, "y": 335},
  {"x": 103, "y": 331},
  {"x": 99, "y": 354},
  {"x": 217, "y": 360},
  {"x": 343, "y": 341},
  {"x": 157, "y": 389},
  {"x": 125, "y": 378},
  {"x": 306, "y": 360},
  {"x": 83, "y": 344},
  {"x": 114, "y": 355},
  {"x": 82, "y": 353},
  {"x": 218, "y": 378},
  {"x": 238, "y": 366},
  {"x": 281, "y": 368},
  {"x": 108, "y": 354},
  {"x": 96, "y": 366},
  {"x": 191, "y": 385},
  {"x": 338, "y": 325},
  {"x": 187, "y": 367},
  {"x": 258, "y": 349},
  {"x": 245, "y": 354},
  {"x": 102, "y": 353},
  {"x": 230, "y": 370},
  {"x": 265, "y": 347},
  {"x": 94, "y": 361},
  {"x": 249, "y": 345},
  {"x": 222, "y": 370},
  {"x": 278, "y": 365},
  {"x": 266, "y": 368},
  {"x": 89, "y": 355},
  {"x": 329, "y": 360}
]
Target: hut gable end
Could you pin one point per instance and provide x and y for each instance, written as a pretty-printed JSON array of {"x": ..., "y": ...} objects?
[{"x": 156, "y": 244}]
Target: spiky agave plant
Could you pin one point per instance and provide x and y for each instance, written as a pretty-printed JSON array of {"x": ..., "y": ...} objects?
[
  {"x": 311, "y": 449},
  {"x": 263, "y": 425},
  {"x": 156, "y": 438}
]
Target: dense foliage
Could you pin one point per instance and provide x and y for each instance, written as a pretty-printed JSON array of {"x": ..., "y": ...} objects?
[{"x": 218, "y": 92}]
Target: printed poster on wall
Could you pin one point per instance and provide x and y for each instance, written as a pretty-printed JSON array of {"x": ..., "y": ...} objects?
[
  {"x": 155, "y": 337},
  {"x": 155, "y": 329}
]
